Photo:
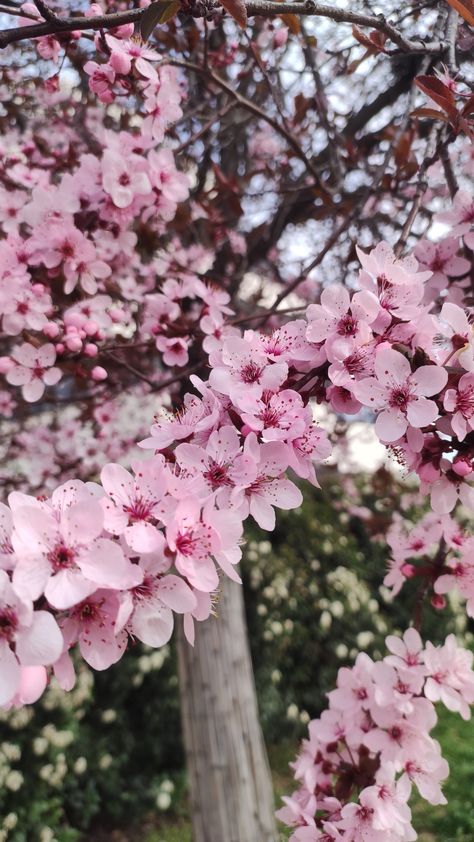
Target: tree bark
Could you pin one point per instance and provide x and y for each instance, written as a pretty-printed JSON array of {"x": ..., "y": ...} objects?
[{"x": 229, "y": 776}]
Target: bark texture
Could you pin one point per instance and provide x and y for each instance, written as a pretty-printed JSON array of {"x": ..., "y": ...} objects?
[{"x": 229, "y": 776}]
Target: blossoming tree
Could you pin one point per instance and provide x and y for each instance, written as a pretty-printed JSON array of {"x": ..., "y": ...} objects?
[{"x": 224, "y": 214}]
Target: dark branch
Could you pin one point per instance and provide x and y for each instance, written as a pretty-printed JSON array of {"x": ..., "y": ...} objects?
[{"x": 264, "y": 8}]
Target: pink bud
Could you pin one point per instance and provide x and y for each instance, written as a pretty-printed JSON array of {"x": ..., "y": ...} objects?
[
  {"x": 74, "y": 344},
  {"x": 91, "y": 350},
  {"x": 462, "y": 466},
  {"x": 5, "y": 364},
  {"x": 60, "y": 348},
  {"x": 116, "y": 314},
  {"x": 438, "y": 601},
  {"x": 280, "y": 38},
  {"x": 51, "y": 330},
  {"x": 98, "y": 373},
  {"x": 91, "y": 327},
  {"x": 409, "y": 571}
]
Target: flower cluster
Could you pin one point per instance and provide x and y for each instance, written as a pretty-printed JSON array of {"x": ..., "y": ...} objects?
[
  {"x": 366, "y": 752},
  {"x": 115, "y": 561}
]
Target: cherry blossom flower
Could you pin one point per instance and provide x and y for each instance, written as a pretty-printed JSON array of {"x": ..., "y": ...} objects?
[
  {"x": 124, "y": 178},
  {"x": 245, "y": 373},
  {"x": 135, "y": 504},
  {"x": 91, "y": 624},
  {"x": 400, "y": 393},
  {"x": 33, "y": 369},
  {"x": 61, "y": 552}
]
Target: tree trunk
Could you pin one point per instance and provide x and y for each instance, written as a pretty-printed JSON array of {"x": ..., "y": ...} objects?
[{"x": 229, "y": 776}]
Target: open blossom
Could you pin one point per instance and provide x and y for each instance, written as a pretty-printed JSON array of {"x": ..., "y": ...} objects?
[
  {"x": 245, "y": 372},
  {"x": 92, "y": 624},
  {"x": 102, "y": 78},
  {"x": 270, "y": 487},
  {"x": 450, "y": 678},
  {"x": 198, "y": 536},
  {"x": 340, "y": 318},
  {"x": 61, "y": 552},
  {"x": 124, "y": 178},
  {"x": 384, "y": 267},
  {"x": 24, "y": 306},
  {"x": 33, "y": 369},
  {"x": 218, "y": 467},
  {"x": 400, "y": 393},
  {"x": 135, "y": 503},
  {"x": 146, "y": 611}
]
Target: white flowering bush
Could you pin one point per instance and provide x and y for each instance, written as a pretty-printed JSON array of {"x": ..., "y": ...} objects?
[{"x": 76, "y": 756}]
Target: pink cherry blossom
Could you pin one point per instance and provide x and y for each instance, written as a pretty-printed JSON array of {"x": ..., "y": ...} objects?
[
  {"x": 135, "y": 503},
  {"x": 124, "y": 178},
  {"x": 400, "y": 393},
  {"x": 33, "y": 369},
  {"x": 61, "y": 552}
]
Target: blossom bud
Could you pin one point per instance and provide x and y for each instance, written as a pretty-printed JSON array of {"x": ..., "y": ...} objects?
[
  {"x": 116, "y": 314},
  {"x": 91, "y": 350},
  {"x": 438, "y": 601},
  {"x": 51, "y": 330},
  {"x": 462, "y": 466},
  {"x": 91, "y": 327},
  {"x": 98, "y": 373},
  {"x": 5, "y": 364},
  {"x": 74, "y": 344},
  {"x": 60, "y": 348},
  {"x": 409, "y": 570}
]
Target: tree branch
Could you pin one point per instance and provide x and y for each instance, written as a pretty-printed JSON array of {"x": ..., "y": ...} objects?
[{"x": 263, "y": 8}]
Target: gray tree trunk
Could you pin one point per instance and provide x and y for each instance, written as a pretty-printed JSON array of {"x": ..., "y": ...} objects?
[{"x": 229, "y": 776}]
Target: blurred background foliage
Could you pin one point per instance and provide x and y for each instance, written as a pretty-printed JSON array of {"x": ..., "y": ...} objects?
[{"x": 108, "y": 754}]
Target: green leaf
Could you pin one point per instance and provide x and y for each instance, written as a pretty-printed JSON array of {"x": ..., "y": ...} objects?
[{"x": 159, "y": 12}]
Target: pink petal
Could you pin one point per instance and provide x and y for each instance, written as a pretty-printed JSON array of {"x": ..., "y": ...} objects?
[
  {"x": 143, "y": 537},
  {"x": 40, "y": 644},
  {"x": 33, "y": 391},
  {"x": 390, "y": 426},
  {"x": 153, "y": 624},
  {"x": 391, "y": 367},
  {"x": 429, "y": 380},
  {"x": 67, "y": 588},
  {"x": 105, "y": 564},
  {"x": 82, "y": 522},
  {"x": 369, "y": 392},
  {"x": 176, "y": 594},
  {"x": 422, "y": 412}
]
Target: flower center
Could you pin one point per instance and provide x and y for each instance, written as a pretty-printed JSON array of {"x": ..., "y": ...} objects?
[
  {"x": 61, "y": 558},
  {"x": 8, "y": 623},
  {"x": 250, "y": 373},
  {"x": 400, "y": 398},
  {"x": 347, "y": 326}
]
